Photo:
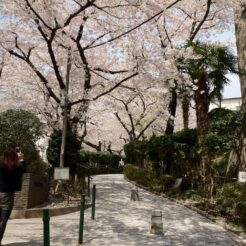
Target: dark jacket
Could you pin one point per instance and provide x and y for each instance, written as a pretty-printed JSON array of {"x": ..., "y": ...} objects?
[{"x": 11, "y": 179}]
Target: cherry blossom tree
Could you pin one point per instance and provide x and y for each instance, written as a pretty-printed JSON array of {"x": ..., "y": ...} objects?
[
  {"x": 79, "y": 51},
  {"x": 51, "y": 40},
  {"x": 138, "y": 111}
]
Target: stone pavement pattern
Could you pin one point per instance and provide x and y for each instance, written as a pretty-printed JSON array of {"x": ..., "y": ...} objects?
[{"x": 120, "y": 222}]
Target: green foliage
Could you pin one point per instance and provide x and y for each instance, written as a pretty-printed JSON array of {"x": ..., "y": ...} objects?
[
  {"x": 215, "y": 60},
  {"x": 135, "y": 152},
  {"x": 22, "y": 128},
  {"x": 147, "y": 178},
  {"x": 218, "y": 114},
  {"x": 186, "y": 153},
  {"x": 185, "y": 145},
  {"x": 227, "y": 130},
  {"x": 19, "y": 128},
  {"x": 220, "y": 163},
  {"x": 142, "y": 176},
  {"x": 231, "y": 200},
  {"x": 216, "y": 143},
  {"x": 100, "y": 163},
  {"x": 167, "y": 181},
  {"x": 34, "y": 163},
  {"x": 157, "y": 147},
  {"x": 181, "y": 145},
  {"x": 71, "y": 150}
]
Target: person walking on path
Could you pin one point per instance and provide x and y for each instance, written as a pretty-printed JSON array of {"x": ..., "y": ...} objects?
[{"x": 11, "y": 170}]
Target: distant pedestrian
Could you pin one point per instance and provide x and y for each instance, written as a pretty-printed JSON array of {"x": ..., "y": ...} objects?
[
  {"x": 11, "y": 170},
  {"x": 121, "y": 163}
]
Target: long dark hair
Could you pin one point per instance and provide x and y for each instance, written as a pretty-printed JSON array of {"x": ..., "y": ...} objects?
[{"x": 10, "y": 159}]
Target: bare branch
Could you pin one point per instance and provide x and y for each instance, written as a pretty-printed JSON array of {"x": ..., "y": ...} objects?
[
  {"x": 111, "y": 71},
  {"x": 137, "y": 26},
  {"x": 95, "y": 40},
  {"x": 122, "y": 123},
  {"x": 115, "y": 86},
  {"x": 26, "y": 59},
  {"x": 87, "y": 84},
  {"x": 146, "y": 127},
  {"x": 76, "y": 13},
  {"x": 193, "y": 35},
  {"x": 37, "y": 15}
]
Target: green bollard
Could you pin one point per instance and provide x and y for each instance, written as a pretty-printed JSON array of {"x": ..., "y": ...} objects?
[
  {"x": 93, "y": 202},
  {"x": 81, "y": 220},
  {"x": 46, "y": 221}
]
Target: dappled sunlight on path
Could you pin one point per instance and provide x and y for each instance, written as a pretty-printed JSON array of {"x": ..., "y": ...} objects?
[{"x": 121, "y": 222}]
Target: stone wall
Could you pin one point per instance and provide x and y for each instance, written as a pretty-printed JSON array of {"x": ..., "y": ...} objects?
[{"x": 35, "y": 191}]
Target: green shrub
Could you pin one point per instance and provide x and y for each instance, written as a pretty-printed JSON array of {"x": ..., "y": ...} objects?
[
  {"x": 19, "y": 128},
  {"x": 99, "y": 163},
  {"x": 231, "y": 200},
  {"x": 142, "y": 176},
  {"x": 22, "y": 128},
  {"x": 158, "y": 147},
  {"x": 167, "y": 181},
  {"x": 218, "y": 114},
  {"x": 71, "y": 150},
  {"x": 135, "y": 152},
  {"x": 220, "y": 163},
  {"x": 178, "y": 153}
]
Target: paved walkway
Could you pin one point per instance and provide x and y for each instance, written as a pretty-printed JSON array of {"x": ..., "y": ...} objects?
[{"x": 120, "y": 222}]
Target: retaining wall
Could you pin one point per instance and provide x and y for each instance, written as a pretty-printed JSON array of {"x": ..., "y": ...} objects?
[{"x": 35, "y": 191}]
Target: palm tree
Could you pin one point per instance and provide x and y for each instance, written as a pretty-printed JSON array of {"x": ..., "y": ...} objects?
[{"x": 208, "y": 73}]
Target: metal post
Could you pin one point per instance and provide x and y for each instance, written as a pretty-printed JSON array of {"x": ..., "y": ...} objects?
[
  {"x": 93, "y": 202},
  {"x": 81, "y": 221},
  {"x": 46, "y": 221}
]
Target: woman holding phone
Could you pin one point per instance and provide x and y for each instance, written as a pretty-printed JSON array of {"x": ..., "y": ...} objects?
[{"x": 11, "y": 170}]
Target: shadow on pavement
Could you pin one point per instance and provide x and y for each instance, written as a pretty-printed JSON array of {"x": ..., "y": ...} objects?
[
  {"x": 29, "y": 243},
  {"x": 122, "y": 222}
]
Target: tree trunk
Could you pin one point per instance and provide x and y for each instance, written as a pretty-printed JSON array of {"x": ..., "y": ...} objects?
[
  {"x": 172, "y": 111},
  {"x": 170, "y": 128},
  {"x": 202, "y": 107},
  {"x": 240, "y": 31},
  {"x": 65, "y": 111},
  {"x": 185, "y": 111},
  {"x": 240, "y": 27}
]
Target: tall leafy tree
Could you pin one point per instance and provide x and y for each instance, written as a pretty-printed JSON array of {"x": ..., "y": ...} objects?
[
  {"x": 22, "y": 128},
  {"x": 19, "y": 128}
]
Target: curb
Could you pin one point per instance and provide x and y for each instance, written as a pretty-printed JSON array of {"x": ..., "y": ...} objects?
[
  {"x": 216, "y": 220},
  {"x": 38, "y": 212}
]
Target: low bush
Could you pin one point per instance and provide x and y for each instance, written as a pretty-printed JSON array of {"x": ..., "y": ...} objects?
[
  {"x": 167, "y": 181},
  {"x": 231, "y": 200},
  {"x": 148, "y": 178},
  {"x": 135, "y": 152},
  {"x": 142, "y": 176},
  {"x": 175, "y": 154},
  {"x": 99, "y": 163}
]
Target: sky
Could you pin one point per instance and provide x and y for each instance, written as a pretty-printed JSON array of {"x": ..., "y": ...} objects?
[{"x": 233, "y": 88}]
